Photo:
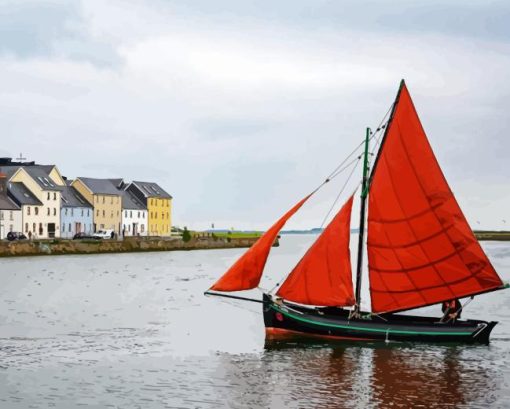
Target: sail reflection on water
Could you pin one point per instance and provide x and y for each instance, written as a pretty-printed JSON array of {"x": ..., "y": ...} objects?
[{"x": 381, "y": 376}]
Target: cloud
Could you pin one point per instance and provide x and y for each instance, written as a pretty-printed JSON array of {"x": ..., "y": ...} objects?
[{"x": 239, "y": 112}]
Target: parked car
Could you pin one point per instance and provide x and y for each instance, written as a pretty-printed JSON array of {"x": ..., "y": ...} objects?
[
  {"x": 83, "y": 236},
  {"x": 13, "y": 235},
  {"x": 103, "y": 234}
]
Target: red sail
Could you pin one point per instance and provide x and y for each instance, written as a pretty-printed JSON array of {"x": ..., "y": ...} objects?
[
  {"x": 245, "y": 274},
  {"x": 323, "y": 276},
  {"x": 421, "y": 250}
]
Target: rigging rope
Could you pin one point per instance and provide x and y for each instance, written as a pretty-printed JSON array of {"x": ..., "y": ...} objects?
[{"x": 341, "y": 191}]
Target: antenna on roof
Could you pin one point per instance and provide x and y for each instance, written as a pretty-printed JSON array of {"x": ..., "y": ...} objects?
[{"x": 21, "y": 158}]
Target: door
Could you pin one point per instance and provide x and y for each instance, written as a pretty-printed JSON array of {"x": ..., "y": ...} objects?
[{"x": 51, "y": 230}]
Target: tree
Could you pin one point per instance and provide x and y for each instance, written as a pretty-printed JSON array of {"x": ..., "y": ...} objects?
[{"x": 186, "y": 235}]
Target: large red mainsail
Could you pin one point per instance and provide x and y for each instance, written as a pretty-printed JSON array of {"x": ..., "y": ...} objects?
[
  {"x": 421, "y": 249},
  {"x": 323, "y": 276},
  {"x": 245, "y": 274}
]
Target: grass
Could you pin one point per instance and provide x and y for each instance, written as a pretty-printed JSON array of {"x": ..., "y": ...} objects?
[{"x": 238, "y": 235}]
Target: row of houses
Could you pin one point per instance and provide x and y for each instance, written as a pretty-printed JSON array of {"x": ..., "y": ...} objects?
[{"x": 38, "y": 201}]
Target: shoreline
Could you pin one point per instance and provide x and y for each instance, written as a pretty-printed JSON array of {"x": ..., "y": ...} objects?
[
  {"x": 56, "y": 247},
  {"x": 490, "y": 235}
]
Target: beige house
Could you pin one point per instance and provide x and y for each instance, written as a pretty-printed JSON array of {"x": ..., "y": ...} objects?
[
  {"x": 105, "y": 198},
  {"x": 41, "y": 198}
]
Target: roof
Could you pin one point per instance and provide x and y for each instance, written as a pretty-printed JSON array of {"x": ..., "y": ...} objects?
[
  {"x": 6, "y": 203},
  {"x": 72, "y": 198},
  {"x": 100, "y": 186},
  {"x": 40, "y": 173},
  {"x": 151, "y": 189},
  {"x": 130, "y": 201},
  {"x": 22, "y": 195}
]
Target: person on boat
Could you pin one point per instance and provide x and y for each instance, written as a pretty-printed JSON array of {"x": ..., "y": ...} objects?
[{"x": 452, "y": 309}]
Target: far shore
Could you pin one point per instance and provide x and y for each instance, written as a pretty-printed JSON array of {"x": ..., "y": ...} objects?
[{"x": 492, "y": 235}]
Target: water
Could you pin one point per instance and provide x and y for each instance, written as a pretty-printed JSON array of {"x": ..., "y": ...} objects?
[{"x": 135, "y": 331}]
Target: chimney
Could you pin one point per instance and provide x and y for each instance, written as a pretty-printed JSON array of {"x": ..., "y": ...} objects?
[{"x": 3, "y": 184}]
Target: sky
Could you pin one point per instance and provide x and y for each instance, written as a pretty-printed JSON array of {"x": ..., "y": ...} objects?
[{"x": 240, "y": 108}]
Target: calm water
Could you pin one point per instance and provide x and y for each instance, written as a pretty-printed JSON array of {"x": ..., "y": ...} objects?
[{"x": 135, "y": 331}]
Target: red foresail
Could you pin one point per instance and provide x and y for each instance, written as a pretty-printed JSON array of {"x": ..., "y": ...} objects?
[
  {"x": 323, "y": 276},
  {"x": 421, "y": 250},
  {"x": 245, "y": 274}
]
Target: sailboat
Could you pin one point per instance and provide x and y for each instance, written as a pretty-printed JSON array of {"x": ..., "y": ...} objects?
[{"x": 421, "y": 252}]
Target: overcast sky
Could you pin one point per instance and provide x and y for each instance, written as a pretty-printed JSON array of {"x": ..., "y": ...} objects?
[{"x": 239, "y": 108}]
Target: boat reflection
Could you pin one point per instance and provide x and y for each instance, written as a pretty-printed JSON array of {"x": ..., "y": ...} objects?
[{"x": 385, "y": 375}]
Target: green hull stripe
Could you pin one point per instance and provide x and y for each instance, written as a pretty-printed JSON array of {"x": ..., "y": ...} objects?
[{"x": 389, "y": 331}]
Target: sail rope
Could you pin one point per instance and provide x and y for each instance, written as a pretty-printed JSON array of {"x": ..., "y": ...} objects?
[{"x": 341, "y": 191}]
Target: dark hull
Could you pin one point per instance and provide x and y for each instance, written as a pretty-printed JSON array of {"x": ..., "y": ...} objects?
[{"x": 284, "y": 320}]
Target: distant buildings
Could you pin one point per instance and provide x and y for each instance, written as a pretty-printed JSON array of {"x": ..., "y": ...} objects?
[{"x": 38, "y": 201}]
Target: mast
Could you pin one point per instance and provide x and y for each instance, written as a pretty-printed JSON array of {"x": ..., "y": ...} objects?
[{"x": 364, "y": 194}]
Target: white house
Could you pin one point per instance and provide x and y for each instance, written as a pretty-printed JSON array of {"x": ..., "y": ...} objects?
[
  {"x": 10, "y": 212},
  {"x": 134, "y": 215}
]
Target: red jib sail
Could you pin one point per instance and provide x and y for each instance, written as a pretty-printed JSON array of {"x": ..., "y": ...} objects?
[
  {"x": 245, "y": 274},
  {"x": 421, "y": 250},
  {"x": 323, "y": 276}
]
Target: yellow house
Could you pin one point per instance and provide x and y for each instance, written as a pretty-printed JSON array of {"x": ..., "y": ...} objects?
[
  {"x": 159, "y": 206},
  {"x": 105, "y": 198}
]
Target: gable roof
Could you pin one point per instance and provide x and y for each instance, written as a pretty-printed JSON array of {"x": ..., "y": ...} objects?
[
  {"x": 6, "y": 203},
  {"x": 151, "y": 189},
  {"x": 72, "y": 198},
  {"x": 39, "y": 173},
  {"x": 130, "y": 201},
  {"x": 22, "y": 195},
  {"x": 100, "y": 186}
]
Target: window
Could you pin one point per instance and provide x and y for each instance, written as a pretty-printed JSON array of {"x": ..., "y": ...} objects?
[
  {"x": 33, "y": 227},
  {"x": 138, "y": 214},
  {"x": 130, "y": 213},
  {"x": 87, "y": 212},
  {"x": 103, "y": 199},
  {"x": 82, "y": 212},
  {"x": 142, "y": 228},
  {"x": 28, "y": 210},
  {"x": 65, "y": 211},
  {"x": 11, "y": 215},
  {"x": 55, "y": 211},
  {"x": 162, "y": 215},
  {"x": 69, "y": 227},
  {"x": 41, "y": 231},
  {"x": 48, "y": 195},
  {"x": 125, "y": 213},
  {"x": 97, "y": 213},
  {"x": 111, "y": 200},
  {"x": 49, "y": 211},
  {"x": 54, "y": 196},
  {"x": 72, "y": 212},
  {"x": 129, "y": 228},
  {"x": 26, "y": 227},
  {"x": 104, "y": 213}
]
